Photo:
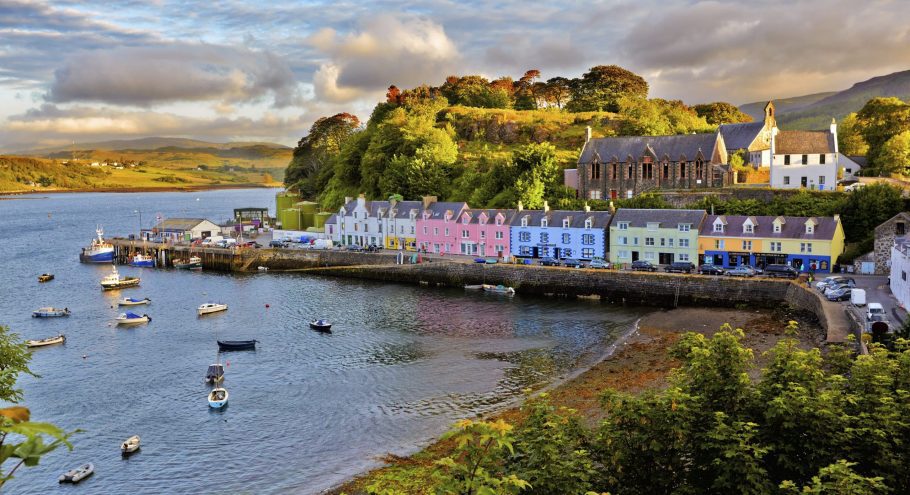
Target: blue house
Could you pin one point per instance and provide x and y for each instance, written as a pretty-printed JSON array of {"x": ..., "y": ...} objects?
[{"x": 559, "y": 234}]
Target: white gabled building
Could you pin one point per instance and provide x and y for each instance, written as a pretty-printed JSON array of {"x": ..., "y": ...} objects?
[
  {"x": 360, "y": 222},
  {"x": 805, "y": 159},
  {"x": 900, "y": 272}
]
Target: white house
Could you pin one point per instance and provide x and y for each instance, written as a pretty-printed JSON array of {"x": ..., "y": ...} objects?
[
  {"x": 359, "y": 222},
  {"x": 805, "y": 159},
  {"x": 399, "y": 223},
  {"x": 900, "y": 272},
  {"x": 182, "y": 229}
]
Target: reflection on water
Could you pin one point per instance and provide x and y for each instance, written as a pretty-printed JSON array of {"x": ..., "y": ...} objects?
[{"x": 307, "y": 409}]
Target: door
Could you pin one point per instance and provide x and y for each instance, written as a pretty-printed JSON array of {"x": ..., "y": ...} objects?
[
  {"x": 665, "y": 258},
  {"x": 867, "y": 267},
  {"x": 535, "y": 252},
  {"x": 556, "y": 253},
  {"x": 634, "y": 255},
  {"x": 803, "y": 182},
  {"x": 614, "y": 194}
]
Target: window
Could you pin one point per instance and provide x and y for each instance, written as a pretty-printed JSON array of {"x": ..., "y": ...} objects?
[
  {"x": 594, "y": 194},
  {"x": 684, "y": 243},
  {"x": 595, "y": 170},
  {"x": 805, "y": 247},
  {"x": 447, "y": 232},
  {"x": 629, "y": 172},
  {"x": 499, "y": 234},
  {"x": 587, "y": 253},
  {"x": 635, "y": 241},
  {"x": 748, "y": 228},
  {"x": 356, "y": 228},
  {"x": 903, "y": 275},
  {"x": 663, "y": 242},
  {"x": 718, "y": 244},
  {"x": 747, "y": 245},
  {"x": 647, "y": 170},
  {"x": 623, "y": 255},
  {"x": 565, "y": 223},
  {"x": 670, "y": 242},
  {"x": 524, "y": 236},
  {"x": 699, "y": 169},
  {"x": 718, "y": 227},
  {"x": 623, "y": 241},
  {"x": 682, "y": 170},
  {"x": 567, "y": 252},
  {"x": 821, "y": 179},
  {"x": 543, "y": 222},
  {"x": 776, "y": 228},
  {"x": 355, "y": 215},
  {"x": 524, "y": 221},
  {"x": 544, "y": 238},
  {"x": 666, "y": 174},
  {"x": 682, "y": 257},
  {"x": 900, "y": 228},
  {"x": 483, "y": 234},
  {"x": 649, "y": 241},
  {"x": 588, "y": 223},
  {"x": 465, "y": 219},
  {"x": 786, "y": 180},
  {"x": 623, "y": 226},
  {"x": 566, "y": 238},
  {"x": 653, "y": 226},
  {"x": 498, "y": 220},
  {"x": 786, "y": 159},
  {"x": 775, "y": 247},
  {"x": 587, "y": 239},
  {"x": 684, "y": 227},
  {"x": 649, "y": 255},
  {"x": 524, "y": 250},
  {"x": 805, "y": 159},
  {"x": 848, "y": 170},
  {"x": 821, "y": 158},
  {"x": 615, "y": 173},
  {"x": 810, "y": 229},
  {"x": 435, "y": 230},
  {"x": 545, "y": 252}
]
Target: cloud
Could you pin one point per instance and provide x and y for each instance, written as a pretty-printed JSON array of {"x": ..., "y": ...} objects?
[
  {"x": 406, "y": 51},
  {"x": 175, "y": 72}
]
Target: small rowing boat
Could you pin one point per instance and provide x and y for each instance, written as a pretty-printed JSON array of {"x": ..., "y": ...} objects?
[
  {"x": 237, "y": 345},
  {"x": 76, "y": 475},
  {"x": 218, "y": 398},
  {"x": 60, "y": 339},
  {"x": 45, "y": 277},
  {"x": 321, "y": 325},
  {"x": 130, "y": 445},
  {"x": 50, "y": 312}
]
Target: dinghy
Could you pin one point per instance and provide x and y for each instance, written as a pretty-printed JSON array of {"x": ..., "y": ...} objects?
[
  {"x": 209, "y": 308},
  {"x": 215, "y": 373},
  {"x": 76, "y": 475},
  {"x": 129, "y": 301},
  {"x": 321, "y": 325},
  {"x": 60, "y": 339},
  {"x": 132, "y": 319},
  {"x": 50, "y": 312},
  {"x": 499, "y": 289},
  {"x": 218, "y": 397},
  {"x": 45, "y": 277},
  {"x": 130, "y": 445},
  {"x": 237, "y": 345}
]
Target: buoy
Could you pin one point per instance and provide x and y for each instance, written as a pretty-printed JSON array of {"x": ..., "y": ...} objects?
[
  {"x": 84, "y": 356},
  {"x": 266, "y": 305}
]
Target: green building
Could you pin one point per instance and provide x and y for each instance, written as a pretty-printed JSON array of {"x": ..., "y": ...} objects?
[{"x": 658, "y": 236}]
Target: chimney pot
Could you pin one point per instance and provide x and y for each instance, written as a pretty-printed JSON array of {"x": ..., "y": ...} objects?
[
  {"x": 520, "y": 206},
  {"x": 546, "y": 207}
]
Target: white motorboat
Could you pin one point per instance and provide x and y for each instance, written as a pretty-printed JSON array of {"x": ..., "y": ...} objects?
[
  {"x": 209, "y": 308},
  {"x": 218, "y": 397},
  {"x": 129, "y": 318},
  {"x": 129, "y": 301},
  {"x": 499, "y": 289},
  {"x": 76, "y": 475},
  {"x": 50, "y": 312},
  {"x": 115, "y": 281},
  {"x": 262, "y": 268},
  {"x": 130, "y": 445},
  {"x": 60, "y": 339}
]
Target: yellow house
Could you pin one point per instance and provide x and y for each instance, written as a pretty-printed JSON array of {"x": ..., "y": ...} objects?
[{"x": 805, "y": 243}]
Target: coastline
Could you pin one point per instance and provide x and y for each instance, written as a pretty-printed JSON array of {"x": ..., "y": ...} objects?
[
  {"x": 188, "y": 188},
  {"x": 636, "y": 362}
]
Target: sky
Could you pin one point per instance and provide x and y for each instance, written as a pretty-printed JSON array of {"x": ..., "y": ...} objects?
[{"x": 86, "y": 71}]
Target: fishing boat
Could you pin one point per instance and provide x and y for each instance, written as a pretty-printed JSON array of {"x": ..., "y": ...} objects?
[
  {"x": 129, "y": 318},
  {"x": 60, "y": 339},
  {"x": 50, "y": 312},
  {"x": 194, "y": 263},
  {"x": 499, "y": 289},
  {"x": 115, "y": 281},
  {"x": 130, "y": 445},
  {"x": 215, "y": 373},
  {"x": 129, "y": 301},
  {"x": 98, "y": 251},
  {"x": 76, "y": 475},
  {"x": 237, "y": 345},
  {"x": 45, "y": 277},
  {"x": 321, "y": 325},
  {"x": 209, "y": 308},
  {"x": 218, "y": 397},
  {"x": 142, "y": 260}
]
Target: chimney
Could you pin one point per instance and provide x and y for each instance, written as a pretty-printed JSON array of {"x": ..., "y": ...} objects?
[
  {"x": 362, "y": 200},
  {"x": 521, "y": 207},
  {"x": 587, "y": 133},
  {"x": 587, "y": 208},
  {"x": 546, "y": 207},
  {"x": 612, "y": 208},
  {"x": 427, "y": 201},
  {"x": 348, "y": 199},
  {"x": 834, "y": 133}
]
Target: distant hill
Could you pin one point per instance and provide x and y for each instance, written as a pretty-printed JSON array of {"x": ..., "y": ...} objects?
[
  {"x": 152, "y": 143},
  {"x": 815, "y": 111}
]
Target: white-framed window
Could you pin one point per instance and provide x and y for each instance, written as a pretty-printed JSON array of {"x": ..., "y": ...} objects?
[
  {"x": 775, "y": 247},
  {"x": 594, "y": 194},
  {"x": 777, "y": 228},
  {"x": 684, "y": 227},
  {"x": 499, "y": 234},
  {"x": 663, "y": 242},
  {"x": 747, "y": 245},
  {"x": 810, "y": 229},
  {"x": 821, "y": 178},
  {"x": 718, "y": 243},
  {"x": 718, "y": 227},
  {"x": 545, "y": 252},
  {"x": 498, "y": 220},
  {"x": 587, "y": 239},
  {"x": 412, "y": 229},
  {"x": 649, "y": 241},
  {"x": 786, "y": 180},
  {"x": 524, "y": 250},
  {"x": 565, "y": 223},
  {"x": 588, "y": 223},
  {"x": 465, "y": 234},
  {"x": 622, "y": 226},
  {"x": 805, "y": 247},
  {"x": 447, "y": 232},
  {"x": 524, "y": 236},
  {"x": 435, "y": 230},
  {"x": 524, "y": 221},
  {"x": 748, "y": 228},
  {"x": 649, "y": 255},
  {"x": 683, "y": 242},
  {"x": 682, "y": 257},
  {"x": 566, "y": 238},
  {"x": 567, "y": 252},
  {"x": 543, "y": 222},
  {"x": 635, "y": 241},
  {"x": 544, "y": 238},
  {"x": 622, "y": 254},
  {"x": 465, "y": 219},
  {"x": 670, "y": 242},
  {"x": 483, "y": 234},
  {"x": 587, "y": 252}
]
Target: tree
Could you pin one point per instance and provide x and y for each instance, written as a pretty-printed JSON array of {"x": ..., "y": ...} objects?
[
  {"x": 538, "y": 173},
  {"x": 839, "y": 479},
  {"x": 601, "y": 88},
  {"x": 866, "y": 208},
  {"x": 721, "y": 112},
  {"x": 14, "y": 358},
  {"x": 658, "y": 117},
  {"x": 316, "y": 150},
  {"x": 525, "y": 99},
  {"x": 879, "y": 120},
  {"x": 475, "y": 91},
  {"x": 850, "y": 140},
  {"x": 894, "y": 155},
  {"x": 474, "y": 466},
  {"x": 393, "y": 95},
  {"x": 558, "y": 91}
]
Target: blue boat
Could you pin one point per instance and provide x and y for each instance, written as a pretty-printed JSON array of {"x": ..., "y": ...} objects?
[
  {"x": 50, "y": 312},
  {"x": 98, "y": 251},
  {"x": 142, "y": 260}
]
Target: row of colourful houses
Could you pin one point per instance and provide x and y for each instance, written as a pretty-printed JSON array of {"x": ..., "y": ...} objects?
[{"x": 622, "y": 236}]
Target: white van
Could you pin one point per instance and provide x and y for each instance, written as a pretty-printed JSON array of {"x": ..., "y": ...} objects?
[
  {"x": 858, "y": 297},
  {"x": 215, "y": 239},
  {"x": 875, "y": 312}
]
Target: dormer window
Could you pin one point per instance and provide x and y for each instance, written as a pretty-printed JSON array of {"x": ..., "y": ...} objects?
[
  {"x": 524, "y": 221},
  {"x": 623, "y": 225},
  {"x": 543, "y": 222},
  {"x": 498, "y": 220},
  {"x": 748, "y": 228},
  {"x": 565, "y": 223},
  {"x": 776, "y": 228},
  {"x": 588, "y": 223},
  {"x": 810, "y": 229},
  {"x": 718, "y": 227}
]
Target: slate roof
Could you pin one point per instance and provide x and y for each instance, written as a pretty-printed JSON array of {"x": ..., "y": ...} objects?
[
  {"x": 179, "y": 224},
  {"x": 740, "y": 136},
  {"x": 555, "y": 217},
  {"x": 437, "y": 209},
  {"x": 402, "y": 209},
  {"x": 674, "y": 147},
  {"x": 860, "y": 160},
  {"x": 666, "y": 218},
  {"x": 333, "y": 218},
  {"x": 803, "y": 142},
  {"x": 491, "y": 215},
  {"x": 793, "y": 227}
]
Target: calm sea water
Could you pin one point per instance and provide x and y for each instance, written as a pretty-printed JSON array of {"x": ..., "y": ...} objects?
[{"x": 306, "y": 410}]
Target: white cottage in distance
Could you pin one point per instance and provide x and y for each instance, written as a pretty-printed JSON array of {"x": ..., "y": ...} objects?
[{"x": 805, "y": 159}]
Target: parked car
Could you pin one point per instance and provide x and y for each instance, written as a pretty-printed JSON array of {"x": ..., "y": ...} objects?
[
  {"x": 741, "y": 271},
  {"x": 643, "y": 265},
  {"x": 709, "y": 269},
  {"x": 854, "y": 187},
  {"x": 354, "y": 247},
  {"x": 251, "y": 244},
  {"x": 680, "y": 267},
  {"x": 598, "y": 263},
  {"x": 548, "y": 262},
  {"x": 837, "y": 287},
  {"x": 275, "y": 243},
  {"x": 842, "y": 294},
  {"x": 374, "y": 248},
  {"x": 757, "y": 270},
  {"x": 828, "y": 282},
  {"x": 571, "y": 262},
  {"x": 780, "y": 271}
]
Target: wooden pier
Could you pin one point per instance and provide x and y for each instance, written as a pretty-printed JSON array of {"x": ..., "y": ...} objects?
[{"x": 213, "y": 258}]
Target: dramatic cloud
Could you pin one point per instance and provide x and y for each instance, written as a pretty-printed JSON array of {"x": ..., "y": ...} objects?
[
  {"x": 173, "y": 73},
  {"x": 405, "y": 51}
]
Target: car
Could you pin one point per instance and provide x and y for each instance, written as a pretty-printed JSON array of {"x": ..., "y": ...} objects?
[
  {"x": 598, "y": 263},
  {"x": 757, "y": 270},
  {"x": 829, "y": 282},
  {"x": 854, "y": 187},
  {"x": 354, "y": 247},
  {"x": 251, "y": 244},
  {"x": 275, "y": 243},
  {"x": 480, "y": 260},
  {"x": 741, "y": 271},
  {"x": 571, "y": 262},
  {"x": 837, "y": 287},
  {"x": 680, "y": 267},
  {"x": 875, "y": 310},
  {"x": 842, "y": 294},
  {"x": 643, "y": 265},
  {"x": 374, "y": 248},
  {"x": 780, "y": 271},
  {"x": 709, "y": 269},
  {"x": 548, "y": 262}
]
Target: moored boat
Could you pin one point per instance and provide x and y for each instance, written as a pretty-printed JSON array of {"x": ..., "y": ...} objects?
[
  {"x": 129, "y": 301},
  {"x": 50, "y": 312},
  {"x": 129, "y": 318},
  {"x": 60, "y": 339},
  {"x": 208, "y": 308},
  {"x": 76, "y": 475},
  {"x": 218, "y": 397},
  {"x": 215, "y": 373},
  {"x": 473, "y": 287},
  {"x": 499, "y": 289},
  {"x": 115, "y": 281},
  {"x": 142, "y": 260},
  {"x": 98, "y": 251},
  {"x": 45, "y": 277},
  {"x": 321, "y": 325},
  {"x": 237, "y": 345},
  {"x": 130, "y": 445},
  {"x": 194, "y": 263}
]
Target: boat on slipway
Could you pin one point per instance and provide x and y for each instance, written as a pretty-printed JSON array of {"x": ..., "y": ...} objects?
[
  {"x": 98, "y": 251},
  {"x": 193, "y": 263},
  {"x": 115, "y": 281},
  {"x": 60, "y": 339},
  {"x": 50, "y": 312},
  {"x": 141, "y": 260}
]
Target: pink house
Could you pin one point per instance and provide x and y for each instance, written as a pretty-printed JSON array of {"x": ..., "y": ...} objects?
[
  {"x": 438, "y": 228},
  {"x": 484, "y": 232}
]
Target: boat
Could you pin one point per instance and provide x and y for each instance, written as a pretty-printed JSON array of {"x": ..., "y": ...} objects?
[
  {"x": 215, "y": 373},
  {"x": 194, "y": 263},
  {"x": 142, "y": 260},
  {"x": 218, "y": 397},
  {"x": 262, "y": 268},
  {"x": 132, "y": 319},
  {"x": 50, "y": 312},
  {"x": 208, "y": 308},
  {"x": 499, "y": 289},
  {"x": 45, "y": 277},
  {"x": 129, "y": 301},
  {"x": 115, "y": 281},
  {"x": 237, "y": 345},
  {"x": 321, "y": 325},
  {"x": 98, "y": 251},
  {"x": 60, "y": 339},
  {"x": 76, "y": 475},
  {"x": 130, "y": 445},
  {"x": 473, "y": 287}
]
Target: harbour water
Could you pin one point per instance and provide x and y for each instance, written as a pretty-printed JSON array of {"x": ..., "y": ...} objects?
[{"x": 307, "y": 410}]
